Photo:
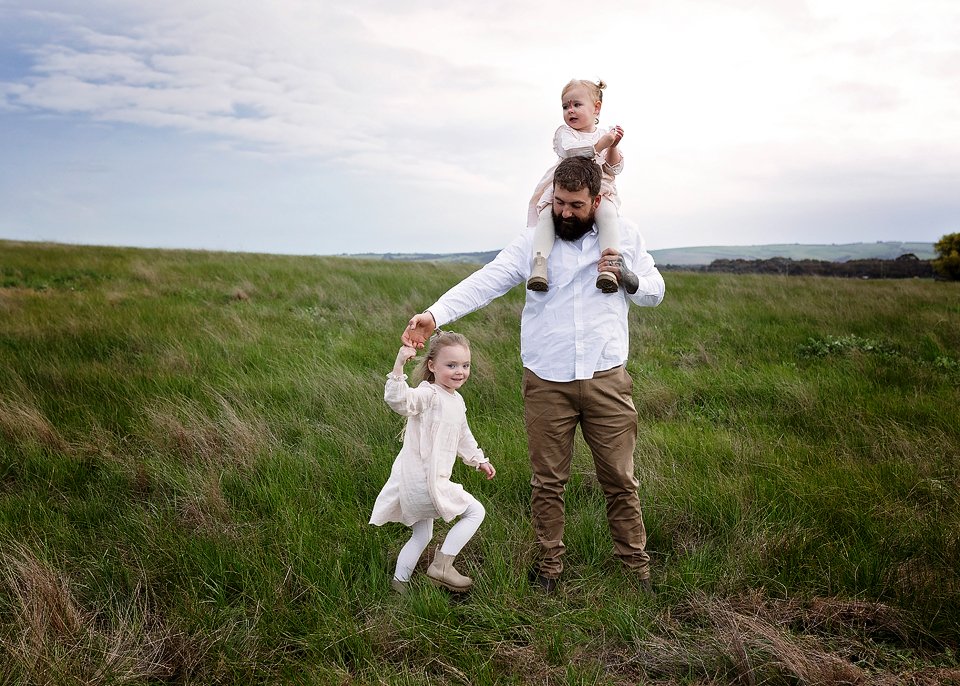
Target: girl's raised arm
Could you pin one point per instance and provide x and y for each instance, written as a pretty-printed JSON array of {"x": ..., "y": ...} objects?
[{"x": 403, "y": 356}]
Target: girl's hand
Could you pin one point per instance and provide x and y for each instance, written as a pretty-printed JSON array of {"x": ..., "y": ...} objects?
[
  {"x": 488, "y": 469},
  {"x": 406, "y": 352},
  {"x": 403, "y": 356}
]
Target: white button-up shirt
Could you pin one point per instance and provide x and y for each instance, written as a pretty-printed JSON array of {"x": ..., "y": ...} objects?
[{"x": 572, "y": 330}]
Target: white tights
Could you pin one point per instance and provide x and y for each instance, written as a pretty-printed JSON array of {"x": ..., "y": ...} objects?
[{"x": 458, "y": 536}]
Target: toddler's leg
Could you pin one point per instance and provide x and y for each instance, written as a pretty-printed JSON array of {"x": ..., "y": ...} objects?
[
  {"x": 608, "y": 225},
  {"x": 441, "y": 571},
  {"x": 543, "y": 238},
  {"x": 608, "y": 234},
  {"x": 411, "y": 551}
]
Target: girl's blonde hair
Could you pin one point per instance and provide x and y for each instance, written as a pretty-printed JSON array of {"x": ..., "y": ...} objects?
[
  {"x": 438, "y": 341},
  {"x": 594, "y": 88}
]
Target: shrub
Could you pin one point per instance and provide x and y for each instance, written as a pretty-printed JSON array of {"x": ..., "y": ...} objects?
[{"x": 947, "y": 264}]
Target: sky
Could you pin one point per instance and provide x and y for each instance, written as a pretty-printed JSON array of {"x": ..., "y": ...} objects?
[{"x": 314, "y": 127}]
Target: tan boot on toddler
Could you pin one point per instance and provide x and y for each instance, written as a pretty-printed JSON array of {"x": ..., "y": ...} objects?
[
  {"x": 538, "y": 275},
  {"x": 442, "y": 572},
  {"x": 607, "y": 282}
]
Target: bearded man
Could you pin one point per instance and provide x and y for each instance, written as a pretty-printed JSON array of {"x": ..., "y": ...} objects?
[{"x": 574, "y": 341}]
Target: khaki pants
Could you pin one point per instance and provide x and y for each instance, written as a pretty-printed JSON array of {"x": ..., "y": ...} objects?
[{"x": 603, "y": 407}]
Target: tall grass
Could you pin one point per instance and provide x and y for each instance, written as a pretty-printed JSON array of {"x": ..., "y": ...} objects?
[{"x": 190, "y": 444}]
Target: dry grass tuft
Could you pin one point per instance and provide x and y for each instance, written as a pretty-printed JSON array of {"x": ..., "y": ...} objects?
[
  {"x": 528, "y": 664},
  {"x": 146, "y": 273},
  {"x": 656, "y": 400},
  {"x": 187, "y": 431},
  {"x": 243, "y": 292},
  {"x": 26, "y": 425},
  {"x": 208, "y": 512},
  {"x": 826, "y": 615},
  {"x": 912, "y": 577},
  {"x": 699, "y": 357},
  {"x": 753, "y": 640},
  {"x": 54, "y": 641},
  {"x": 174, "y": 359},
  {"x": 44, "y": 604},
  {"x": 761, "y": 650}
]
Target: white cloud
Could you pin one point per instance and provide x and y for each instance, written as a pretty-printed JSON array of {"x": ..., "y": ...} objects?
[
  {"x": 295, "y": 88},
  {"x": 728, "y": 104}
]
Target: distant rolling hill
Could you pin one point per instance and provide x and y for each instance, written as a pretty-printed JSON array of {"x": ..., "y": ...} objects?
[
  {"x": 682, "y": 257},
  {"x": 834, "y": 252}
]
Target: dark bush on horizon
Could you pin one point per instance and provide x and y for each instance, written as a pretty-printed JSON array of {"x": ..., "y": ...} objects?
[
  {"x": 906, "y": 266},
  {"x": 947, "y": 264}
]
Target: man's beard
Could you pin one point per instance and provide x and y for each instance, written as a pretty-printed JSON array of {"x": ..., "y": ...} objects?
[{"x": 571, "y": 229}]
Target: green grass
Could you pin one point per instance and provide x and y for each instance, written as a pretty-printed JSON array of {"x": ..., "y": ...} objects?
[{"x": 190, "y": 444}]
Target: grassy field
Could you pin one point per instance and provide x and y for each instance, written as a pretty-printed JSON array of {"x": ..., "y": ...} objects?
[{"x": 190, "y": 444}]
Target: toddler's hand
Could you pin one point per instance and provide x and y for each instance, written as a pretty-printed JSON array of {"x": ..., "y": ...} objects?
[
  {"x": 488, "y": 469},
  {"x": 617, "y": 133}
]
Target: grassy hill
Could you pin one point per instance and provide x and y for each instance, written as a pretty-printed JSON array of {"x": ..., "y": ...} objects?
[
  {"x": 694, "y": 256},
  {"x": 190, "y": 444}
]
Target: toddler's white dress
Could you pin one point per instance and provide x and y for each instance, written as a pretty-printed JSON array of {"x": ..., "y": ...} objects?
[{"x": 568, "y": 142}]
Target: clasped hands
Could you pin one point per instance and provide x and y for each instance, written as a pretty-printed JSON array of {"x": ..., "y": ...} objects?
[{"x": 419, "y": 329}]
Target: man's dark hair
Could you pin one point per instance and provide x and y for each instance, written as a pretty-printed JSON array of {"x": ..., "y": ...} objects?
[{"x": 574, "y": 173}]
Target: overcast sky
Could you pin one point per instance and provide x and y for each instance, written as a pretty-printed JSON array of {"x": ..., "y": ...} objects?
[{"x": 314, "y": 127}]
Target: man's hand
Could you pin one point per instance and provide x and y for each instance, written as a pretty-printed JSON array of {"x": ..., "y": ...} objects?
[
  {"x": 418, "y": 330},
  {"x": 612, "y": 261}
]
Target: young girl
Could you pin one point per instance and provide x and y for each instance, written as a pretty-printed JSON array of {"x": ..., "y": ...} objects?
[
  {"x": 579, "y": 136},
  {"x": 419, "y": 488}
]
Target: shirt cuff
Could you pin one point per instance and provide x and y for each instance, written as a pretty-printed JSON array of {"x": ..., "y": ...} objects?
[{"x": 440, "y": 314}]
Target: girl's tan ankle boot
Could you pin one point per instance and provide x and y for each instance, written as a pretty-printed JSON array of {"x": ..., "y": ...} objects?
[{"x": 442, "y": 572}]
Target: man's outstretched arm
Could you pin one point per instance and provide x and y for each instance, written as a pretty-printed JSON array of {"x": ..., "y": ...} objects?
[{"x": 509, "y": 268}]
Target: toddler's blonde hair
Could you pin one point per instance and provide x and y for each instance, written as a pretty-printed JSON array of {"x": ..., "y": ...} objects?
[{"x": 594, "y": 88}]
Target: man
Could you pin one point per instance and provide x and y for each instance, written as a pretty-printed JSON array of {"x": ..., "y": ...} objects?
[{"x": 573, "y": 344}]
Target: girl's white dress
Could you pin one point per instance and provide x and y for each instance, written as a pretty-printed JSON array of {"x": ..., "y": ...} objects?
[
  {"x": 568, "y": 142},
  {"x": 419, "y": 486}
]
